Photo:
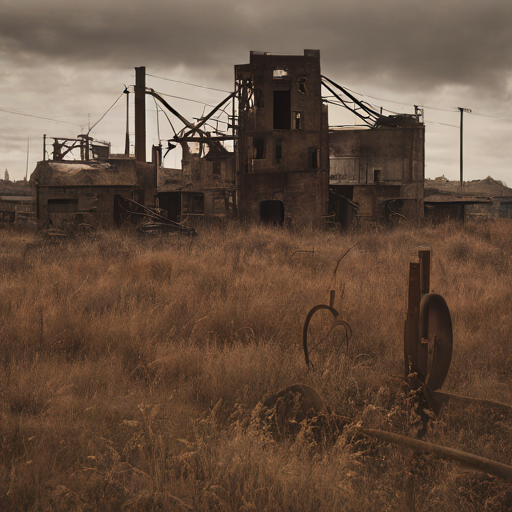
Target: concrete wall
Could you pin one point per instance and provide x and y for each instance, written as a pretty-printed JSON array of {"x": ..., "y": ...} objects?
[
  {"x": 65, "y": 206},
  {"x": 397, "y": 152},
  {"x": 211, "y": 176},
  {"x": 385, "y": 169},
  {"x": 302, "y": 195}
]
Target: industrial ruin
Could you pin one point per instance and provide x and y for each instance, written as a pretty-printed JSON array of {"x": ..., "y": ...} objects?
[{"x": 266, "y": 153}]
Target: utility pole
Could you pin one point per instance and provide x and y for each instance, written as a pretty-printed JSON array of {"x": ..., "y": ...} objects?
[
  {"x": 28, "y": 151},
  {"x": 127, "y": 141},
  {"x": 468, "y": 111}
]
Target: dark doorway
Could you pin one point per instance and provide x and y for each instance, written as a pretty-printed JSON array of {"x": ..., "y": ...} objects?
[
  {"x": 171, "y": 203},
  {"x": 272, "y": 212},
  {"x": 282, "y": 110},
  {"x": 341, "y": 205}
]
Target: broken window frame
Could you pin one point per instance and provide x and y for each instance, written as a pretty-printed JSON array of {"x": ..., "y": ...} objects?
[
  {"x": 278, "y": 150},
  {"x": 278, "y": 73},
  {"x": 301, "y": 85},
  {"x": 297, "y": 120},
  {"x": 62, "y": 205},
  {"x": 216, "y": 170},
  {"x": 258, "y": 144},
  {"x": 282, "y": 109},
  {"x": 192, "y": 203},
  {"x": 314, "y": 157}
]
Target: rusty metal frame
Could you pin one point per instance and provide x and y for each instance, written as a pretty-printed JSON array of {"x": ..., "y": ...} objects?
[{"x": 336, "y": 322}]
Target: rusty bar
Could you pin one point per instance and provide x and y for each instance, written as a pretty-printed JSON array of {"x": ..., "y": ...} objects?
[
  {"x": 424, "y": 255},
  {"x": 475, "y": 461},
  {"x": 411, "y": 330},
  {"x": 205, "y": 119},
  {"x": 442, "y": 397},
  {"x": 140, "y": 114}
]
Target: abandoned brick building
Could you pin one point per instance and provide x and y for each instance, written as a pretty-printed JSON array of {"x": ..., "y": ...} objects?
[
  {"x": 282, "y": 164},
  {"x": 377, "y": 174},
  {"x": 90, "y": 190},
  {"x": 289, "y": 167},
  {"x": 283, "y": 149}
]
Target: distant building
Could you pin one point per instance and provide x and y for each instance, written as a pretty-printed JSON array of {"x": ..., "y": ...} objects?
[
  {"x": 282, "y": 165},
  {"x": 91, "y": 191}
]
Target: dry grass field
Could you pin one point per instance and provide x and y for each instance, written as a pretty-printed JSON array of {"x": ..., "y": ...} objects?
[{"x": 129, "y": 368}]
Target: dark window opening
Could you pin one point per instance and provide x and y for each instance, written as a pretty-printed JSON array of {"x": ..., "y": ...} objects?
[
  {"x": 376, "y": 175},
  {"x": 297, "y": 120},
  {"x": 192, "y": 203},
  {"x": 258, "y": 98},
  {"x": 314, "y": 158},
  {"x": 171, "y": 203},
  {"x": 259, "y": 148},
  {"x": 62, "y": 205},
  {"x": 216, "y": 170},
  {"x": 341, "y": 206},
  {"x": 279, "y": 150},
  {"x": 282, "y": 110},
  {"x": 272, "y": 212},
  {"x": 302, "y": 86}
]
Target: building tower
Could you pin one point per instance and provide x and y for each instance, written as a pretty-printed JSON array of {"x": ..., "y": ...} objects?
[{"x": 282, "y": 146}]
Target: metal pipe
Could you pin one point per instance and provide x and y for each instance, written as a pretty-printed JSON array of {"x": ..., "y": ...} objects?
[{"x": 475, "y": 461}]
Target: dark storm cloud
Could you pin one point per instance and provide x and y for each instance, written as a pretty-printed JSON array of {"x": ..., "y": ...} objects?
[{"x": 416, "y": 43}]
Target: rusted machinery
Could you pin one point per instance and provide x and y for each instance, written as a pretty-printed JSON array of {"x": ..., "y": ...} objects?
[
  {"x": 428, "y": 347},
  {"x": 428, "y": 339}
]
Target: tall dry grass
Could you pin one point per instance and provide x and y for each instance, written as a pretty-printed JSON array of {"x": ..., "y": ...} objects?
[{"x": 129, "y": 368}]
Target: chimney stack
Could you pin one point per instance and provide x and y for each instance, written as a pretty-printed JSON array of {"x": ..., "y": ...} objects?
[{"x": 140, "y": 114}]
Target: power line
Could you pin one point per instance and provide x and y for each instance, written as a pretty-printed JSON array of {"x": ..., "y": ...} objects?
[
  {"x": 444, "y": 124},
  {"x": 2, "y": 109},
  {"x": 111, "y": 107},
  {"x": 186, "y": 99},
  {"x": 187, "y": 83},
  {"x": 402, "y": 103}
]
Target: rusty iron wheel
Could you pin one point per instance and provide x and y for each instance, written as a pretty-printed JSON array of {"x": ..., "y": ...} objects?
[{"x": 435, "y": 343}]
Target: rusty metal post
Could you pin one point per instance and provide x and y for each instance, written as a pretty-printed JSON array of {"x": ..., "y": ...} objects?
[
  {"x": 411, "y": 330},
  {"x": 425, "y": 257},
  {"x": 140, "y": 114}
]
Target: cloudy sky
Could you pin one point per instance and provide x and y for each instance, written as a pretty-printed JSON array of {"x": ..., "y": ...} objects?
[{"x": 66, "y": 62}]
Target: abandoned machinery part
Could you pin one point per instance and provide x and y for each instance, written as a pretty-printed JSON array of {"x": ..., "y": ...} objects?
[
  {"x": 326, "y": 330},
  {"x": 428, "y": 340},
  {"x": 158, "y": 221},
  {"x": 428, "y": 347},
  {"x": 284, "y": 413}
]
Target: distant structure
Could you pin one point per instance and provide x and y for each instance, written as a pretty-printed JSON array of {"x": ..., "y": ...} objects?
[
  {"x": 6, "y": 175},
  {"x": 481, "y": 199},
  {"x": 92, "y": 189},
  {"x": 274, "y": 160}
]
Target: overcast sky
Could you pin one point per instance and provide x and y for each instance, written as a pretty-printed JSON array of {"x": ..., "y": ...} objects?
[{"x": 68, "y": 61}]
